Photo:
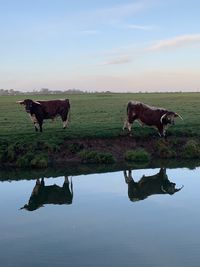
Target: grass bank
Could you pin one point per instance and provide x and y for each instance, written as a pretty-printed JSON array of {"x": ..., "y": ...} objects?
[{"x": 96, "y": 129}]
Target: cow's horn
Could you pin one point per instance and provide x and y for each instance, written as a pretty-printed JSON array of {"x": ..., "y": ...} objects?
[
  {"x": 177, "y": 115},
  {"x": 162, "y": 117},
  {"x": 37, "y": 102},
  {"x": 20, "y": 102},
  {"x": 24, "y": 207},
  {"x": 178, "y": 189},
  {"x": 163, "y": 189}
]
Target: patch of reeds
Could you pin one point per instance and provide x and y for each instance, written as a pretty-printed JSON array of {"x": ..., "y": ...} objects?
[
  {"x": 164, "y": 150},
  {"x": 137, "y": 155},
  {"x": 191, "y": 150},
  {"x": 96, "y": 157}
]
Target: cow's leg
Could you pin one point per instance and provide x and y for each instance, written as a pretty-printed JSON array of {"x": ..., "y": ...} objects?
[
  {"x": 66, "y": 180},
  {"x": 37, "y": 122},
  {"x": 36, "y": 128},
  {"x": 130, "y": 123},
  {"x": 36, "y": 187},
  {"x": 40, "y": 122},
  {"x": 66, "y": 183},
  {"x": 164, "y": 132},
  {"x": 127, "y": 125},
  {"x": 161, "y": 131},
  {"x": 163, "y": 174},
  {"x": 65, "y": 119},
  {"x": 42, "y": 182},
  {"x": 128, "y": 176},
  {"x": 34, "y": 120},
  {"x": 68, "y": 192},
  {"x": 131, "y": 117},
  {"x": 40, "y": 125},
  {"x": 64, "y": 124}
]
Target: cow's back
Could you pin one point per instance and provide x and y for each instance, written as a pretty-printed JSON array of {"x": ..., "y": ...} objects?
[
  {"x": 52, "y": 108},
  {"x": 54, "y": 194},
  {"x": 149, "y": 115}
]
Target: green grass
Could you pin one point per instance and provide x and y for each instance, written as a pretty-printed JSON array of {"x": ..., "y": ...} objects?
[
  {"x": 95, "y": 115},
  {"x": 96, "y": 157},
  {"x": 191, "y": 149},
  {"x": 138, "y": 155}
]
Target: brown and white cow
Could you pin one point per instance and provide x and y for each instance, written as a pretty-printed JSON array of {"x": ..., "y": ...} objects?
[
  {"x": 49, "y": 194},
  {"x": 159, "y": 118},
  {"x": 49, "y": 109},
  {"x": 149, "y": 185}
]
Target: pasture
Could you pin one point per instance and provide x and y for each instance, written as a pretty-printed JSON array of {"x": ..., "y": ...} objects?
[{"x": 96, "y": 115}]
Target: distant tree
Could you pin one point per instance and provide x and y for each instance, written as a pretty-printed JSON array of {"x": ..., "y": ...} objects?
[{"x": 44, "y": 91}]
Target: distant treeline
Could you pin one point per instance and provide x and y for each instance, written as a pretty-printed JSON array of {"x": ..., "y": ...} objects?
[
  {"x": 46, "y": 91},
  {"x": 42, "y": 91}
]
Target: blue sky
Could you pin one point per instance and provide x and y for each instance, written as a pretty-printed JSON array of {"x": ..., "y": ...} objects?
[{"x": 143, "y": 45}]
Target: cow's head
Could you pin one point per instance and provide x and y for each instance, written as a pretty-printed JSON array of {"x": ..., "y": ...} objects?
[
  {"x": 31, "y": 207},
  {"x": 29, "y": 104},
  {"x": 169, "y": 117},
  {"x": 33, "y": 204},
  {"x": 170, "y": 188}
]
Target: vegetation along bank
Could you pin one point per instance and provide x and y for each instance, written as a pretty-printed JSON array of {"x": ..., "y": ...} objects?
[{"x": 94, "y": 134}]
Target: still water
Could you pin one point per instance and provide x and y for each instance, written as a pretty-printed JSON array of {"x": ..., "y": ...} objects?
[{"x": 146, "y": 217}]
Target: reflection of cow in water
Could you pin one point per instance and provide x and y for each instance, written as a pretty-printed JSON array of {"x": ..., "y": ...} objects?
[
  {"x": 149, "y": 185},
  {"x": 51, "y": 194}
]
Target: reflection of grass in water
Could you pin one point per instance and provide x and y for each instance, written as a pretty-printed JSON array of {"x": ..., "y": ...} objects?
[{"x": 74, "y": 169}]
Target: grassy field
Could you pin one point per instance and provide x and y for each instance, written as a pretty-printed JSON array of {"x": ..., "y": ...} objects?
[{"x": 96, "y": 115}]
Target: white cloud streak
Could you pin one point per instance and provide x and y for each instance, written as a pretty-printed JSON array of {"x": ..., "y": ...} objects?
[
  {"x": 176, "y": 42},
  {"x": 140, "y": 27},
  {"x": 122, "y": 10},
  {"x": 119, "y": 60},
  {"x": 114, "y": 14}
]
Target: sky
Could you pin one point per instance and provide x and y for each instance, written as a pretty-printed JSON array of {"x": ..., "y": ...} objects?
[{"x": 120, "y": 46}]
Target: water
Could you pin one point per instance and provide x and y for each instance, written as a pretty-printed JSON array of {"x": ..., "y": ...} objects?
[{"x": 103, "y": 223}]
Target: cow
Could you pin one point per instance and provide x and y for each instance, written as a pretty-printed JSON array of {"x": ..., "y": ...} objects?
[
  {"x": 49, "y": 109},
  {"x": 51, "y": 194},
  {"x": 149, "y": 185},
  {"x": 159, "y": 118}
]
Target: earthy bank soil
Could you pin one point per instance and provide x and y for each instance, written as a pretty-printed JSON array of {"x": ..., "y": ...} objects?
[{"x": 157, "y": 147}]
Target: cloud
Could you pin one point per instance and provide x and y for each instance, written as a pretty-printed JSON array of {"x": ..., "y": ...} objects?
[
  {"x": 122, "y": 10},
  {"x": 116, "y": 13},
  {"x": 119, "y": 60},
  {"x": 140, "y": 27},
  {"x": 176, "y": 42},
  {"x": 121, "y": 55}
]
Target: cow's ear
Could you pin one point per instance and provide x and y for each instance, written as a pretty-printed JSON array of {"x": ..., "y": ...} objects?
[{"x": 21, "y": 102}]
